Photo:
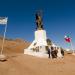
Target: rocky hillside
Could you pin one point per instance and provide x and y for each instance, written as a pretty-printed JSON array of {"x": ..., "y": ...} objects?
[{"x": 14, "y": 46}]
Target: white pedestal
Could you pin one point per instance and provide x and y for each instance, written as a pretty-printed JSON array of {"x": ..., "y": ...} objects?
[
  {"x": 40, "y": 43},
  {"x": 40, "y": 37}
]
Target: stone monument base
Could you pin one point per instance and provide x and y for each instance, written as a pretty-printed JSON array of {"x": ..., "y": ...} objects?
[
  {"x": 38, "y": 46},
  {"x": 37, "y": 54}
]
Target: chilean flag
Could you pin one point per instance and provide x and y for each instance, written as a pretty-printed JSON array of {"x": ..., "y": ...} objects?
[{"x": 67, "y": 39}]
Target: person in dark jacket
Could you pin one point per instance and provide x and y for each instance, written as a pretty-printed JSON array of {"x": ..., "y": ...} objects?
[{"x": 49, "y": 52}]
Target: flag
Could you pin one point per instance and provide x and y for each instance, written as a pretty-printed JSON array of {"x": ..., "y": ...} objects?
[
  {"x": 67, "y": 39},
  {"x": 3, "y": 20}
]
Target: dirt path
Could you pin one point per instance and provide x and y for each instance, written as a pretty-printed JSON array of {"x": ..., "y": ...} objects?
[{"x": 19, "y": 64}]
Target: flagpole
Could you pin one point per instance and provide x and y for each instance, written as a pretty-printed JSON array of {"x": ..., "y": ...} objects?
[
  {"x": 3, "y": 39},
  {"x": 72, "y": 47}
]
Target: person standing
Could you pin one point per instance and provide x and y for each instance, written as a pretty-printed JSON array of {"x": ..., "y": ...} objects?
[
  {"x": 49, "y": 51},
  {"x": 59, "y": 55}
]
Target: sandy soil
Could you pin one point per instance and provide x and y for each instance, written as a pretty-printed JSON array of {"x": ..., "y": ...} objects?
[{"x": 19, "y": 64}]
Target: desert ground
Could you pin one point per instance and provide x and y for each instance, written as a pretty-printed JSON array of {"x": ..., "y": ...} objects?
[{"x": 19, "y": 64}]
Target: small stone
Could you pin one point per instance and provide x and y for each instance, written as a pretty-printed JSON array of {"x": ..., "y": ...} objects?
[{"x": 3, "y": 58}]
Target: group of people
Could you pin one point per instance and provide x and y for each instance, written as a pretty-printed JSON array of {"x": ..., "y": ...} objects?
[{"x": 55, "y": 52}]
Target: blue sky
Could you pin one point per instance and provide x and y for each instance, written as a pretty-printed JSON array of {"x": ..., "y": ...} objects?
[{"x": 58, "y": 19}]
